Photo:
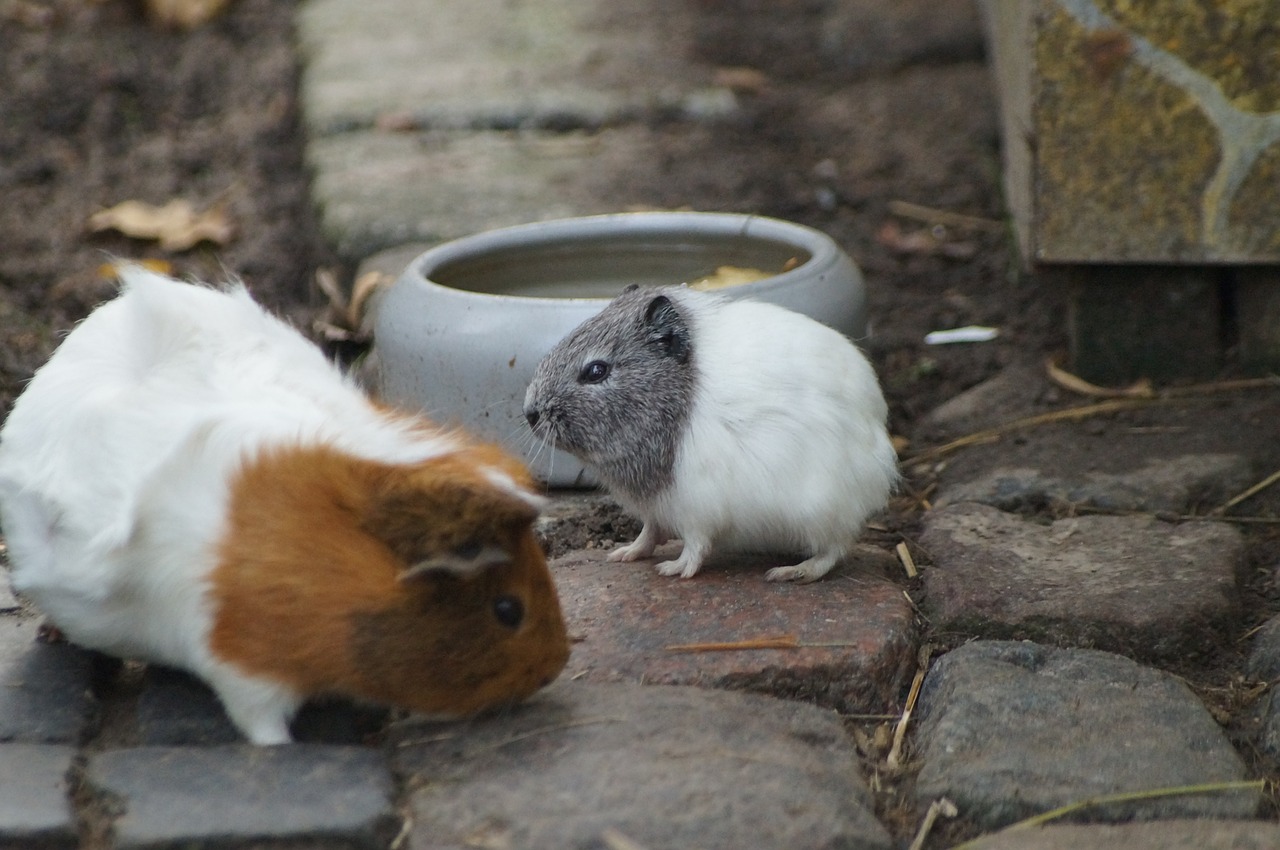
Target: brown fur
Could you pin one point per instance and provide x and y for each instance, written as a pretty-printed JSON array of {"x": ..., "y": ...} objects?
[{"x": 308, "y": 592}]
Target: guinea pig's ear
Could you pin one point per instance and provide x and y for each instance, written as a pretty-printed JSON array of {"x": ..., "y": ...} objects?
[
  {"x": 465, "y": 561},
  {"x": 666, "y": 328}
]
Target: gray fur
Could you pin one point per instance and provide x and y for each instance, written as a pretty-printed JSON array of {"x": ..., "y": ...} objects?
[{"x": 628, "y": 427}]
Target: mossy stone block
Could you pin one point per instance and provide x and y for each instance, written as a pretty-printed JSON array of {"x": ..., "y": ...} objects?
[{"x": 1141, "y": 130}]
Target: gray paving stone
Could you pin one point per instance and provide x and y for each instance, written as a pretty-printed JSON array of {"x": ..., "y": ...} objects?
[
  {"x": 45, "y": 689},
  {"x": 218, "y": 796},
  {"x": 8, "y": 602},
  {"x": 1160, "y": 835},
  {"x": 1176, "y": 485},
  {"x": 1129, "y": 584},
  {"x": 463, "y": 63},
  {"x": 1007, "y": 730},
  {"x": 176, "y": 709},
  {"x": 35, "y": 802},
  {"x": 662, "y": 766},
  {"x": 377, "y": 190},
  {"x": 856, "y": 630}
]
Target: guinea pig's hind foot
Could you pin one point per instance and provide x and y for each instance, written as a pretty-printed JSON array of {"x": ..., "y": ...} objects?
[
  {"x": 260, "y": 710},
  {"x": 805, "y": 571},
  {"x": 689, "y": 562}
]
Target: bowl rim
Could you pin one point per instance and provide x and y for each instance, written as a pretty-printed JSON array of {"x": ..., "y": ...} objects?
[{"x": 822, "y": 249}]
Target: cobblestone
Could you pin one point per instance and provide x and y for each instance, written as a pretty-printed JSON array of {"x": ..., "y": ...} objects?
[
  {"x": 856, "y": 631},
  {"x": 1011, "y": 729},
  {"x": 1129, "y": 584},
  {"x": 586, "y": 765}
]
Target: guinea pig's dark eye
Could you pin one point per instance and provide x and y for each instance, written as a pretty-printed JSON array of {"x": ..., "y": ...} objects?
[
  {"x": 468, "y": 551},
  {"x": 594, "y": 372},
  {"x": 509, "y": 611}
]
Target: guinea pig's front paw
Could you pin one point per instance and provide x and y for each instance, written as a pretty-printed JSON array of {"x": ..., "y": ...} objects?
[
  {"x": 630, "y": 552},
  {"x": 642, "y": 547}
]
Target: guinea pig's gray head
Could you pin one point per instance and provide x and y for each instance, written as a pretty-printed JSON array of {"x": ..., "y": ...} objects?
[{"x": 616, "y": 391}]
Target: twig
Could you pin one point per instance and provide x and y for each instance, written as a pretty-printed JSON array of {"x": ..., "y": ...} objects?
[
  {"x": 1085, "y": 411},
  {"x": 1252, "y": 491},
  {"x": 1125, "y": 797},
  {"x": 1076, "y": 384},
  {"x": 615, "y": 840},
  {"x": 1066, "y": 415},
  {"x": 941, "y": 806},
  {"x": 908, "y": 563},
  {"x": 932, "y": 215},
  {"x": 868, "y": 718},
  {"x": 532, "y": 733},
  {"x": 777, "y": 642},
  {"x": 894, "y": 758}
]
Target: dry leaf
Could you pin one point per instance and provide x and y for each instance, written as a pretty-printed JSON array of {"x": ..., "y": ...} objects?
[
  {"x": 176, "y": 225},
  {"x": 185, "y": 14},
  {"x": 925, "y": 241},
  {"x": 111, "y": 271},
  {"x": 365, "y": 286},
  {"x": 1066, "y": 380},
  {"x": 741, "y": 79}
]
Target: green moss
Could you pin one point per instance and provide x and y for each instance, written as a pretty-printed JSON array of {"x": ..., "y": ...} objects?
[{"x": 1123, "y": 157}]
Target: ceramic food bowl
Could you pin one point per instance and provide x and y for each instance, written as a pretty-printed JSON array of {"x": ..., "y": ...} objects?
[{"x": 460, "y": 332}]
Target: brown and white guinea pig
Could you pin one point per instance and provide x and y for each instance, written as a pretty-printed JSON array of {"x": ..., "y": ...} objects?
[
  {"x": 723, "y": 423},
  {"x": 189, "y": 481}
]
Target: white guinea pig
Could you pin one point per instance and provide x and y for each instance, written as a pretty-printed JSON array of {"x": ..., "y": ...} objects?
[
  {"x": 189, "y": 481},
  {"x": 721, "y": 422}
]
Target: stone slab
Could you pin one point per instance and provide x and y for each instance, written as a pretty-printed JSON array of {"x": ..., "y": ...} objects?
[
  {"x": 45, "y": 689},
  {"x": 1161, "y": 835},
  {"x": 590, "y": 765},
  {"x": 1010, "y": 729},
  {"x": 856, "y": 628},
  {"x": 211, "y": 797},
  {"x": 1177, "y": 485},
  {"x": 494, "y": 63},
  {"x": 1132, "y": 583},
  {"x": 376, "y": 190},
  {"x": 35, "y": 798}
]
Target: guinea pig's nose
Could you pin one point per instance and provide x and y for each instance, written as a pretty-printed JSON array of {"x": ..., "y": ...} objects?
[{"x": 532, "y": 415}]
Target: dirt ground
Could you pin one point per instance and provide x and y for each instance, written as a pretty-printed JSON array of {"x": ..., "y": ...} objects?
[{"x": 97, "y": 107}]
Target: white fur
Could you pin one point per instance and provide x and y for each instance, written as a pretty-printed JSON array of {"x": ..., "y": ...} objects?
[
  {"x": 787, "y": 448},
  {"x": 115, "y": 461}
]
